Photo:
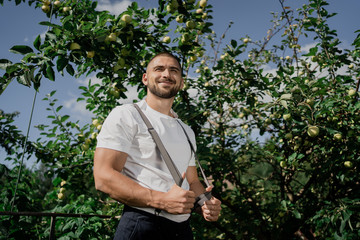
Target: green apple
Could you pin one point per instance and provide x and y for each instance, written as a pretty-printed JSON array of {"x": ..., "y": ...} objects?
[
  {"x": 90, "y": 54},
  {"x": 166, "y": 39},
  {"x": 351, "y": 92},
  {"x": 63, "y": 182},
  {"x": 313, "y": 131},
  {"x": 185, "y": 37},
  {"x": 99, "y": 127},
  {"x": 57, "y": 3},
  {"x": 66, "y": 9},
  {"x": 126, "y": 18},
  {"x": 351, "y": 66},
  {"x": 174, "y": 4},
  {"x": 246, "y": 40},
  {"x": 287, "y": 116},
  {"x": 190, "y": 24},
  {"x": 95, "y": 122},
  {"x": 193, "y": 58},
  {"x": 74, "y": 46},
  {"x": 199, "y": 11},
  {"x": 288, "y": 136},
  {"x": 46, "y": 2},
  {"x": 282, "y": 164},
  {"x": 348, "y": 164},
  {"x": 62, "y": 190},
  {"x": 180, "y": 18},
  {"x": 310, "y": 101},
  {"x": 61, "y": 196},
  {"x": 112, "y": 37},
  {"x": 94, "y": 135},
  {"x": 337, "y": 136},
  {"x": 45, "y": 8},
  {"x": 203, "y": 3}
]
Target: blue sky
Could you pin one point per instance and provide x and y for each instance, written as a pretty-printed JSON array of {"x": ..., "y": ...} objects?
[{"x": 19, "y": 26}]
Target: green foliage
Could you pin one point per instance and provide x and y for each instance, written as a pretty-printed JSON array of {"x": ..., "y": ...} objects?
[{"x": 280, "y": 146}]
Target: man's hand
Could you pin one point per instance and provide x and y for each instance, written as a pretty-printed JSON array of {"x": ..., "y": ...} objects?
[
  {"x": 211, "y": 209},
  {"x": 178, "y": 200}
]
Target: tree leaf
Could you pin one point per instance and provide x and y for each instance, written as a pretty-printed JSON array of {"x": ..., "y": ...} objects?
[
  {"x": 37, "y": 43},
  {"x": 50, "y": 74},
  {"x": 61, "y": 63},
  {"x": 70, "y": 70},
  {"x": 21, "y": 49},
  {"x": 4, "y": 63}
]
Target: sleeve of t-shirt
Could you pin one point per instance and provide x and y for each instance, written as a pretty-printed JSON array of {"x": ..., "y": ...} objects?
[{"x": 118, "y": 130}]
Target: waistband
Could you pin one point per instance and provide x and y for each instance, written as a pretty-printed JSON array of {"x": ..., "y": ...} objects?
[{"x": 154, "y": 216}]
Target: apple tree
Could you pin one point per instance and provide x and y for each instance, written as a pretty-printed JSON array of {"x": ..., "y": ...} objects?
[{"x": 280, "y": 146}]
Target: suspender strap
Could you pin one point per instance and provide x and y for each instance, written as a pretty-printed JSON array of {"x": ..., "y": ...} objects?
[
  {"x": 165, "y": 155},
  {"x": 193, "y": 150}
]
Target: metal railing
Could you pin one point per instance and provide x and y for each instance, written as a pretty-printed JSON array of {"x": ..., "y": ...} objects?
[{"x": 53, "y": 217}]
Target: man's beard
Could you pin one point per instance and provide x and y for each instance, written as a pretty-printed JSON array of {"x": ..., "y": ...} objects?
[{"x": 163, "y": 93}]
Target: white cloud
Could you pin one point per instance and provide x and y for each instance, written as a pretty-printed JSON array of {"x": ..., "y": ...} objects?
[
  {"x": 78, "y": 109},
  {"x": 114, "y": 8},
  {"x": 307, "y": 47}
]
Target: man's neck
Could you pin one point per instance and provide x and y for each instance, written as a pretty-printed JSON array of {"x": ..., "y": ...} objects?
[{"x": 161, "y": 105}]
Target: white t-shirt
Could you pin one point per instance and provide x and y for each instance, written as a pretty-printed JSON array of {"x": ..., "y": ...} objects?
[{"x": 125, "y": 131}]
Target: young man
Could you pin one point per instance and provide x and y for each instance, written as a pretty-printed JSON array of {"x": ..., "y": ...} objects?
[{"x": 128, "y": 166}]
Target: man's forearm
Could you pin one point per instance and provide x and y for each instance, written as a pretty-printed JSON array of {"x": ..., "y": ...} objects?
[{"x": 127, "y": 191}]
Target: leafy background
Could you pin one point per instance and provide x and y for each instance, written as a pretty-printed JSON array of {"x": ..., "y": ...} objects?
[{"x": 281, "y": 145}]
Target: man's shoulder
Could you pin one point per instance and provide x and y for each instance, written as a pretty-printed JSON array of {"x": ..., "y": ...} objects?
[{"x": 124, "y": 109}]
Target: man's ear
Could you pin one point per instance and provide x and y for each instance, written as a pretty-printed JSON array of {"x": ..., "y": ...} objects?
[{"x": 145, "y": 79}]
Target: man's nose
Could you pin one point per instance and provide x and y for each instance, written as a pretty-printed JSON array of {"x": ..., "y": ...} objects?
[{"x": 166, "y": 73}]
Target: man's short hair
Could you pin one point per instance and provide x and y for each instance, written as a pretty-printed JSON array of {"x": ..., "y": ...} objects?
[{"x": 168, "y": 54}]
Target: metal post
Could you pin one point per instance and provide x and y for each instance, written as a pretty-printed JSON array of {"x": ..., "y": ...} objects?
[{"x": 52, "y": 228}]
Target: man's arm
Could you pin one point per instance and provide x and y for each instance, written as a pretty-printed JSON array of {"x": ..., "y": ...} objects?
[
  {"x": 108, "y": 165},
  {"x": 211, "y": 209}
]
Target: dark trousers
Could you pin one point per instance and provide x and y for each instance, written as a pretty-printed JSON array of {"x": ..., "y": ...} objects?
[{"x": 136, "y": 225}]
